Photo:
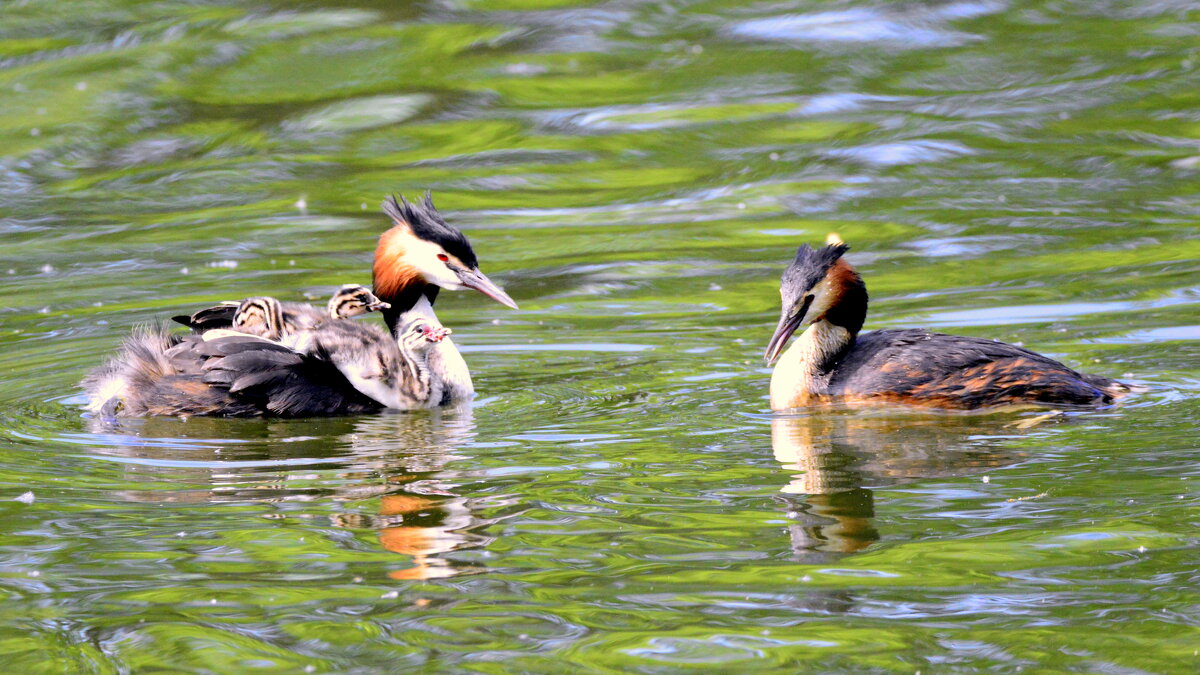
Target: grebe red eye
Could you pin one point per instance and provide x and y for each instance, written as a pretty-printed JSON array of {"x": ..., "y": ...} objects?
[{"x": 443, "y": 257}]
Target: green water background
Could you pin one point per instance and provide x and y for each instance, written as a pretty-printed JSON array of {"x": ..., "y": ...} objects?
[{"x": 635, "y": 174}]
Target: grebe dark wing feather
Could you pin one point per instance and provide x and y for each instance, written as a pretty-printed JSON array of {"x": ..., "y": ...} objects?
[
  {"x": 217, "y": 316},
  {"x": 279, "y": 380},
  {"x": 158, "y": 373},
  {"x": 917, "y": 366},
  {"x": 287, "y": 384}
]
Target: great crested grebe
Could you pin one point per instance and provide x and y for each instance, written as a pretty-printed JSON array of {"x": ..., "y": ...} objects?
[
  {"x": 157, "y": 373},
  {"x": 831, "y": 361}
]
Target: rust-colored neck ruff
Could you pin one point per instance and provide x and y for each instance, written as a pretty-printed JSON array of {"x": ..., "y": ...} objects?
[
  {"x": 847, "y": 303},
  {"x": 396, "y": 281},
  {"x": 391, "y": 273}
]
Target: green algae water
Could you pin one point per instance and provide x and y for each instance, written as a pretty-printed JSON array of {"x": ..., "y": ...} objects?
[{"x": 636, "y": 174}]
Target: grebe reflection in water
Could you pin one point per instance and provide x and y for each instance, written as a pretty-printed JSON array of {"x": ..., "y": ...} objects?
[{"x": 839, "y": 459}]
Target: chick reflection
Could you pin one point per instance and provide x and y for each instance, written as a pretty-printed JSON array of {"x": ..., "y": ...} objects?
[
  {"x": 401, "y": 459},
  {"x": 837, "y": 454}
]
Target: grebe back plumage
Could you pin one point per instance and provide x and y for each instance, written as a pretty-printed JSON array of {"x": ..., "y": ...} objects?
[{"x": 831, "y": 361}]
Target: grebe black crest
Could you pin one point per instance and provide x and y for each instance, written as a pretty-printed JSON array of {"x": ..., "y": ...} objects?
[
  {"x": 292, "y": 359},
  {"x": 831, "y": 361}
]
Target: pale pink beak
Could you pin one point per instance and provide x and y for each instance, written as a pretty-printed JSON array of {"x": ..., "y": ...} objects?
[{"x": 476, "y": 280}]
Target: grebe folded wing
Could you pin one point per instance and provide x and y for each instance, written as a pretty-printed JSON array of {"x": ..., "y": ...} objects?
[
  {"x": 159, "y": 373},
  {"x": 217, "y": 316},
  {"x": 957, "y": 371},
  {"x": 279, "y": 380}
]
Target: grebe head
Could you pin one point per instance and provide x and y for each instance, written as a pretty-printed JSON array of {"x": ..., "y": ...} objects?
[
  {"x": 261, "y": 316},
  {"x": 810, "y": 287},
  {"x": 421, "y": 248},
  {"x": 354, "y": 299}
]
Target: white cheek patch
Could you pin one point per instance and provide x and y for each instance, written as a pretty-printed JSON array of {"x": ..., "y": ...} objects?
[
  {"x": 423, "y": 256},
  {"x": 822, "y": 301}
]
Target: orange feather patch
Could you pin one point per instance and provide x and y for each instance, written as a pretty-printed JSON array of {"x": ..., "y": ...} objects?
[{"x": 392, "y": 275}]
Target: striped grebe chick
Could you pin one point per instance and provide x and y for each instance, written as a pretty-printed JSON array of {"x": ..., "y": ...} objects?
[
  {"x": 217, "y": 371},
  {"x": 352, "y": 300},
  {"x": 247, "y": 316},
  {"x": 274, "y": 320},
  {"x": 831, "y": 361}
]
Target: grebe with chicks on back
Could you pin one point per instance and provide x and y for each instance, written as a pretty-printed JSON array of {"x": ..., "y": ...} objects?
[
  {"x": 221, "y": 371},
  {"x": 832, "y": 362}
]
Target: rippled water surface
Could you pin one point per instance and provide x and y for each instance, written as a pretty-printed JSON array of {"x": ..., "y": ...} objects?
[{"x": 636, "y": 174}]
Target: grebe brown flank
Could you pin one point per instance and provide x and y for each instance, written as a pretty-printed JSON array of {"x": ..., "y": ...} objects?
[
  {"x": 156, "y": 373},
  {"x": 831, "y": 361}
]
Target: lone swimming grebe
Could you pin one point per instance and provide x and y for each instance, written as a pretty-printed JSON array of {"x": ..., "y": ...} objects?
[
  {"x": 831, "y": 362},
  {"x": 158, "y": 373}
]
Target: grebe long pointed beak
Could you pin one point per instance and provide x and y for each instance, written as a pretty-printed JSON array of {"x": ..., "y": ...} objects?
[
  {"x": 476, "y": 280},
  {"x": 788, "y": 324}
]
